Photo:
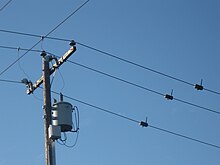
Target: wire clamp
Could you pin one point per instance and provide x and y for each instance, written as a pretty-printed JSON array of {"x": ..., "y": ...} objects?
[
  {"x": 169, "y": 97},
  {"x": 144, "y": 123},
  {"x": 199, "y": 87}
]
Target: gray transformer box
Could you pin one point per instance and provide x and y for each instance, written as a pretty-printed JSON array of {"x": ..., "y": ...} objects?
[
  {"x": 62, "y": 115},
  {"x": 54, "y": 132}
]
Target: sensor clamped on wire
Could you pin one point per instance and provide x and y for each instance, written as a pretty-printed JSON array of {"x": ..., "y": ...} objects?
[
  {"x": 169, "y": 97},
  {"x": 144, "y": 123},
  {"x": 199, "y": 87}
]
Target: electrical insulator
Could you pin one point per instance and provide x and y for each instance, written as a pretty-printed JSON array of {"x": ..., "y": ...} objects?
[{"x": 62, "y": 115}]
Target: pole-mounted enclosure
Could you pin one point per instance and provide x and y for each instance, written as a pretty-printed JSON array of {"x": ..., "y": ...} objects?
[
  {"x": 62, "y": 115},
  {"x": 61, "y": 119}
]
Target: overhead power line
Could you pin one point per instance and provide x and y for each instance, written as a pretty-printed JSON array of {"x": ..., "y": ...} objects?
[
  {"x": 45, "y": 36},
  {"x": 138, "y": 122},
  {"x": 147, "y": 68},
  {"x": 5, "y": 5},
  {"x": 133, "y": 63},
  {"x": 33, "y": 35},
  {"x": 11, "y": 81},
  {"x": 117, "y": 78},
  {"x": 67, "y": 18},
  {"x": 126, "y": 118},
  {"x": 7, "y": 68},
  {"x": 184, "y": 136},
  {"x": 118, "y": 58},
  {"x": 169, "y": 97},
  {"x": 18, "y": 48},
  {"x": 146, "y": 89}
]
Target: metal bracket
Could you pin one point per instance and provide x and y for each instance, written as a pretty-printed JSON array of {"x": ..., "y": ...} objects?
[
  {"x": 169, "y": 97},
  {"x": 144, "y": 123},
  {"x": 199, "y": 87}
]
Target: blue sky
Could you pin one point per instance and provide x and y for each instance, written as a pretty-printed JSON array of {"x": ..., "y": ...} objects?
[{"x": 176, "y": 37}]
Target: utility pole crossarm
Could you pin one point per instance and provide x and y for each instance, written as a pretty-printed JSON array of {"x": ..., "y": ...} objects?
[
  {"x": 52, "y": 69},
  {"x": 62, "y": 59}
]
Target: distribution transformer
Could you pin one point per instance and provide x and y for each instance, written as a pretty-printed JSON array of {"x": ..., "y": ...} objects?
[{"x": 62, "y": 115}]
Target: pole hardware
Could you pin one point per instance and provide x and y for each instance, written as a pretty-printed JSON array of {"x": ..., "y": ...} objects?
[
  {"x": 169, "y": 97},
  {"x": 61, "y": 60},
  {"x": 199, "y": 87},
  {"x": 50, "y": 133}
]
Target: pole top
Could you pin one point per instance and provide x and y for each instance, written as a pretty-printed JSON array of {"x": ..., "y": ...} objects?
[
  {"x": 72, "y": 43},
  {"x": 43, "y": 53}
]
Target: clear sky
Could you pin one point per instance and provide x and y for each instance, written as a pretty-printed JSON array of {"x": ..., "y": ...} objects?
[{"x": 179, "y": 38}]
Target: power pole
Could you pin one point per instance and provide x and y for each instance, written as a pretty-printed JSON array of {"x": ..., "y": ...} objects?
[
  {"x": 47, "y": 107},
  {"x": 45, "y": 79}
]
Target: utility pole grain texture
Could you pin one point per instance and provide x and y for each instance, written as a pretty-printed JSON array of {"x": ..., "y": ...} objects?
[{"x": 47, "y": 107}]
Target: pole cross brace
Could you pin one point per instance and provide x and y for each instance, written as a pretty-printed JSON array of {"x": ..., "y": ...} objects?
[{"x": 52, "y": 69}]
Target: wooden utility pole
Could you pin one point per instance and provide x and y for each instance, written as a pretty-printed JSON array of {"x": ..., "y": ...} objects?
[
  {"x": 47, "y": 107},
  {"x": 45, "y": 79}
]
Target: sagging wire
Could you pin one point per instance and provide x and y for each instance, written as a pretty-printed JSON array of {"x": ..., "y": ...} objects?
[
  {"x": 57, "y": 69},
  {"x": 76, "y": 117},
  {"x": 63, "y": 86},
  {"x": 62, "y": 141},
  {"x": 53, "y": 76},
  {"x": 19, "y": 64},
  {"x": 37, "y": 98},
  {"x": 74, "y": 144},
  {"x": 20, "y": 67}
]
